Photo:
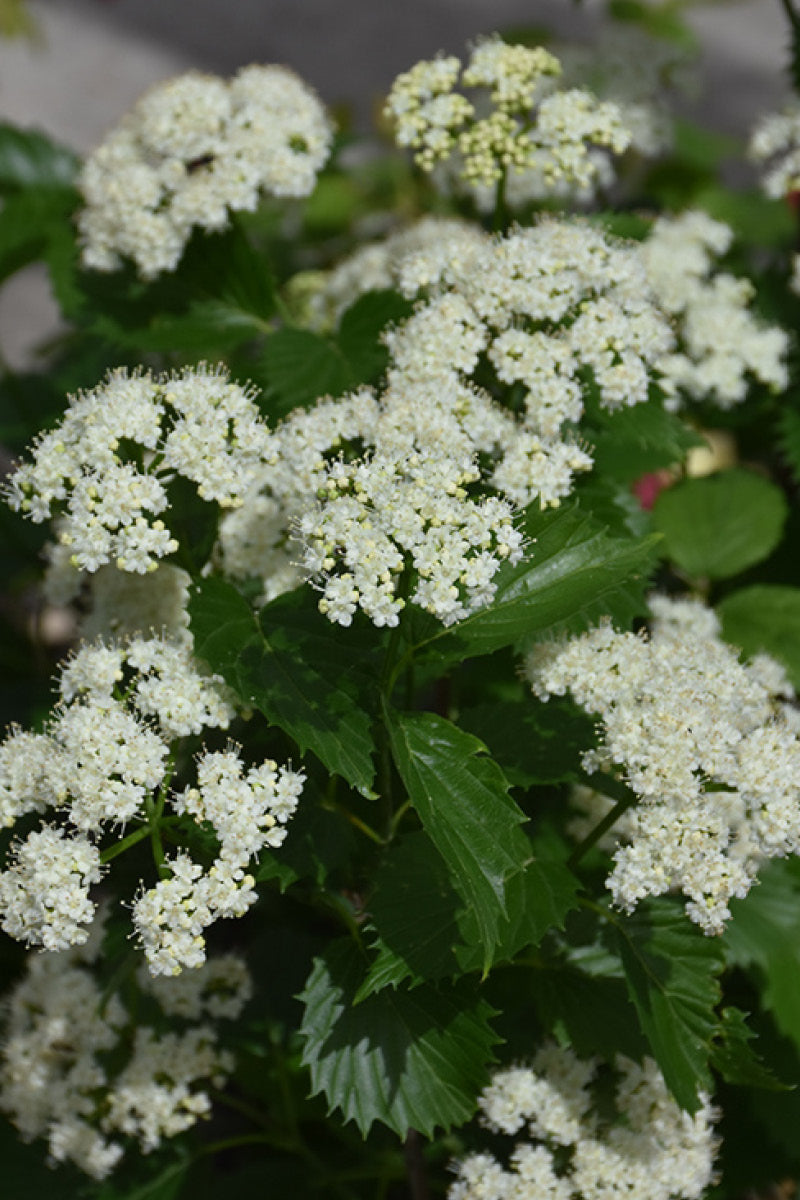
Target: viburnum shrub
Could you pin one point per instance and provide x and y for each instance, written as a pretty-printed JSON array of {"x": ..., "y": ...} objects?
[{"x": 401, "y": 794}]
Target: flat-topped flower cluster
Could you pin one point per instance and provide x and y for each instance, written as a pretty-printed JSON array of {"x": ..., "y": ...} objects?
[
  {"x": 396, "y": 473},
  {"x": 647, "y": 1147},
  {"x": 708, "y": 745},
  {"x": 106, "y": 761},
  {"x": 192, "y": 151},
  {"x": 93, "y": 1079},
  {"x": 722, "y": 346},
  {"x": 105, "y": 470}
]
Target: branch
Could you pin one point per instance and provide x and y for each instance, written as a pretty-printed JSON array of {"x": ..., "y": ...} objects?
[{"x": 415, "y": 1166}]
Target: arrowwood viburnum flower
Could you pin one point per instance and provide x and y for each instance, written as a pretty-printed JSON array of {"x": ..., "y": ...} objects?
[
  {"x": 416, "y": 484},
  {"x": 576, "y": 1149},
  {"x": 108, "y": 750},
  {"x": 104, "y": 472},
  {"x": 722, "y": 344},
  {"x": 775, "y": 144},
  {"x": 530, "y": 127},
  {"x": 192, "y": 151},
  {"x": 80, "y": 1070},
  {"x": 708, "y": 745}
]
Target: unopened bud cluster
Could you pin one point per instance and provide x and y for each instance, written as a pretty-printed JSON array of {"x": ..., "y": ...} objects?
[{"x": 529, "y": 127}]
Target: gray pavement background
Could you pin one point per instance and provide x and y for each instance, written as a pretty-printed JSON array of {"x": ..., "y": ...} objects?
[{"x": 97, "y": 56}]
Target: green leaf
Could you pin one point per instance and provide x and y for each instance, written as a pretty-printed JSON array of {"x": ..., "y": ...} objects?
[
  {"x": 701, "y": 146},
  {"x": 298, "y": 367},
  {"x": 29, "y": 159},
  {"x": 267, "y": 661},
  {"x": 335, "y": 202},
  {"x": 736, "y": 1060},
  {"x": 411, "y": 1060},
  {"x": 754, "y": 217},
  {"x": 29, "y": 222},
  {"x": 462, "y": 799},
  {"x": 765, "y": 617},
  {"x": 317, "y": 842},
  {"x": 222, "y": 294},
  {"x": 593, "y": 1015},
  {"x": 765, "y": 933},
  {"x": 360, "y": 331},
  {"x": 227, "y": 267},
  {"x": 205, "y": 325},
  {"x": 534, "y": 743},
  {"x": 719, "y": 525},
  {"x": 425, "y": 932},
  {"x": 662, "y": 21},
  {"x": 634, "y": 441},
  {"x": 574, "y": 573},
  {"x": 789, "y": 439},
  {"x": 613, "y": 505},
  {"x": 164, "y": 1186},
  {"x": 670, "y": 969}
]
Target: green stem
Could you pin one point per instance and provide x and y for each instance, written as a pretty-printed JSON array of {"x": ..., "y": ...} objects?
[
  {"x": 356, "y": 821},
  {"x": 500, "y": 217},
  {"x": 385, "y": 766},
  {"x": 623, "y": 803},
  {"x": 398, "y": 816},
  {"x": 120, "y": 847},
  {"x": 392, "y": 663},
  {"x": 287, "y": 1099},
  {"x": 154, "y": 810},
  {"x": 244, "y": 1139}
]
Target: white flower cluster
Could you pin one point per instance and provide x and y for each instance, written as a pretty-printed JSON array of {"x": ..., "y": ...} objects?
[
  {"x": 386, "y": 510},
  {"x": 635, "y": 70},
  {"x": 651, "y": 1150},
  {"x": 378, "y": 265},
  {"x": 775, "y": 144},
  {"x": 104, "y": 472},
  {"x": 398, "y": 502},
  {"x": 62, "y": 1032},
  {"x": 396, "y": 474},
  {"x": 246, "y": 813},
  {"x": 108, "y": 749},
  {"x": 530, "y": 127},
  {"x": 120, "y": 605},
  {"x": 192, "y": 151},
  {"x": 722, "y": 344},
  {"x": 708, "y": 745}
]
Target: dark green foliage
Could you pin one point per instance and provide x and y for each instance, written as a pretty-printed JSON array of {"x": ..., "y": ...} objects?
[
  {"x": 671, "y": 971},
  {"x": 268, "y": 661},
  {"x": 410, "y": 1059}
]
